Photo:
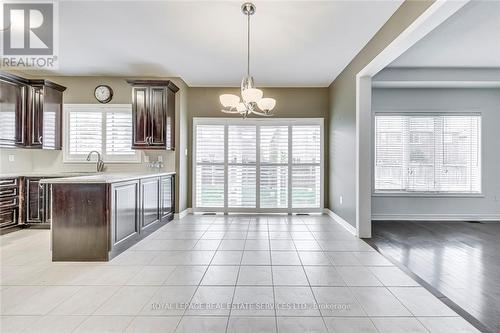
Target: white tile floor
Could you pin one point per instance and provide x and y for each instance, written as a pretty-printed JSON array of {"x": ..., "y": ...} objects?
[{"x": 237, "y": 273}]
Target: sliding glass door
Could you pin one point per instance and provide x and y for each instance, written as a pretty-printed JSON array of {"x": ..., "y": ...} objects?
[{"x": 264, "y": 165}]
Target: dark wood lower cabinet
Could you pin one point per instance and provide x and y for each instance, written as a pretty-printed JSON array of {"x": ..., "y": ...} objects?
[
  {"x": 9, "y": 202},
  {"x": 38, "y": 201},
  {"x": 124, "y": 211},
  {"x": 80, "y": 225},
  {"x": 167, "y": 197},
  {"x": 150, "y": 201},
  {"x": 96, "y": 222}
]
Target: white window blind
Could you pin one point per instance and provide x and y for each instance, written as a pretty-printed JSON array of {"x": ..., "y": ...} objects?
[
  {"x": 49, "y": 129},
  {"x": 118, "y": 132},
  {"x": 306, "y": 159},
  {"x": 274, "y": 166},
  {"x": 209, "y": 159},
  {"x": 242, "y": 159},
  {"x": 428, "y": 153},
  {"x": 106, "y": 129},
  {"x": 247, "y": 164},
  {"x": 8, "y": 122}
]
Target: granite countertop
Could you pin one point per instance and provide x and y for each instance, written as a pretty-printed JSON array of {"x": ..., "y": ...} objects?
[
  {"x": 104, "y": 178},
  {"x": 42, "y": 174}
]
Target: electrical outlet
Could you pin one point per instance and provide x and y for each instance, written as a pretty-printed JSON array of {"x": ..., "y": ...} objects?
[
  {"x": 160, "y": 158},
  {"x": 12, "y": 158},
  {"x": 341, "y": 200},
  {"x": 146, "y": 159}
]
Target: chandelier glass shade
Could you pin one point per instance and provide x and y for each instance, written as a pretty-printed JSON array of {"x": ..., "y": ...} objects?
[{"x": 252, "y": 99}]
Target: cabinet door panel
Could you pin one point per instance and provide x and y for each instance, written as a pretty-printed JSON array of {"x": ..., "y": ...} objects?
[
  {"x": 167, "y": 196},
  {"x": 34, "y": 201},
  {"x": 124, "y": 211},
  {"x": 52, "y": 118},
  {"x": 150, "y": 201},
  {"x": 157, "y": 113},
  {"x": 170, "y": 122},
  {"x": 141, "y": 119},
  {"x": 12, "y": 112},
  {"x": 48, "y": 203},
  {"x": 35, "y": 123}
]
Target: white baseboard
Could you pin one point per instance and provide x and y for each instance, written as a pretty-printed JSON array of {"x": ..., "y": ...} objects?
[
  {"x": 436, "y": 217},
  {"x": 182, "y": 214},
  {"x": 341, "y": 221}
]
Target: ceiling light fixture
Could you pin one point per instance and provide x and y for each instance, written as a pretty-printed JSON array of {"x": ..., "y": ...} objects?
[{"x": 252, "y": 100}]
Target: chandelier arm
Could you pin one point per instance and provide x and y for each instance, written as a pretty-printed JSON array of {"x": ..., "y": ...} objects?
[
  {"x": 264, "y": 114},
  {"x": 248, "y": 44}
]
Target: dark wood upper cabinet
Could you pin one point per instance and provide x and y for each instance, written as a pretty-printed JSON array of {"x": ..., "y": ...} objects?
[
  {"x": 140, "y": 133},
  {"x": 35, "y": 114},
  {"x": 52, "y": 117},
  {"x": 31, "y": 112},
  {"x": 13, "y": 98},
  {"x": 153, "y": 108}
]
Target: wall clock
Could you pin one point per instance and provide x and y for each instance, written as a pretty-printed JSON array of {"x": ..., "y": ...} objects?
[{"x": 103, "y": 93}]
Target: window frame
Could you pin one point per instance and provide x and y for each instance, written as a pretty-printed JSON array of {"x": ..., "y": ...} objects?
[
  {"x": 68, "y": 158},
  {"x": 258, "y": 122},
  {"x": 427, "y": 194}
]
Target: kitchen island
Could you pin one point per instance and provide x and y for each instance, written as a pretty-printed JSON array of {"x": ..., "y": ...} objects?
[{"x": 96, "y": 217}]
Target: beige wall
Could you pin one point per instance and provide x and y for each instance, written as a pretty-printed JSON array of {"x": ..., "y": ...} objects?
[
  {"x": 342, "y": 113},
  {"x": 80, "y": 90},
  {"x": 291, "y": 103}
]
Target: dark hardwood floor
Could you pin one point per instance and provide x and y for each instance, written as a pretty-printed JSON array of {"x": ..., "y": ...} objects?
[{"x": 460, "y": 260}]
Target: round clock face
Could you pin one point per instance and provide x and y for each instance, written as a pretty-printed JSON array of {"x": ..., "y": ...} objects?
[{"x": 103, "y": 93}]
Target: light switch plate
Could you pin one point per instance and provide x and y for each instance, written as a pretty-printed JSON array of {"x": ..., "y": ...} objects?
[
  {"x": 160, "y": 158},
  {"x": 186, "y": 152},
  {"x": 146, "y": 158}
]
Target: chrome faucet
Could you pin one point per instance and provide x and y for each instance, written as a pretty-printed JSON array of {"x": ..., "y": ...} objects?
[
  {"x": 100, "y": 162},
  {"x": 155, "y": 165}
]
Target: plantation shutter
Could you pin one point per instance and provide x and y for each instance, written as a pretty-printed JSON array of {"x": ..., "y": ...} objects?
[
  {"x": 427, "y": 153},
  {"x": 85, "y": 131},
  {"x": 306, "y": 166},
  {"x": 274, "y": 166},
  {"x": 242, "y": 166},
  {"x": 210, "y": 166},
  {"x": 106, "y": 129},
  {"x": 119, "y": 132}
]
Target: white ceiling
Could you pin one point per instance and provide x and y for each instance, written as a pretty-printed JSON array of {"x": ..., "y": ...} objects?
[
  {"x": 470, "y": 38},
  {"x": 295, "y": 43}
]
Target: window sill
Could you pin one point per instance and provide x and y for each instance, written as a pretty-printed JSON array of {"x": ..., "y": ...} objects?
[{"x": 428, "y": 195}]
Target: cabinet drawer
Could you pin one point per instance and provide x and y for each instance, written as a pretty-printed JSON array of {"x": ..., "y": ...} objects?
[
  {"x": 7, "y": 203},
  {"x": 8, "y": 217},
  {"x": 8, "y": 192},
  {"x": 8, "y": 182}
]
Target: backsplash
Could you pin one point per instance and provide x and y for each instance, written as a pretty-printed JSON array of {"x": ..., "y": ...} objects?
[{"x": 26, "y": 160}]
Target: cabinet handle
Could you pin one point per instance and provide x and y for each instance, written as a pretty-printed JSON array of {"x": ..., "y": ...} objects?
[
  {"x": 147, "y": 140},
  {"x": 40, "y": 139}
]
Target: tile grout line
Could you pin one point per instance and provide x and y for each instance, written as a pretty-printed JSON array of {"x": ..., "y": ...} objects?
[
  {"x": 236, "y": 283},
  {"x": 309, "y": 282},
  {"x": 272, "y": 278},
  {"x": 346, "y": 285},
  {"x": 199, "y": 282}
]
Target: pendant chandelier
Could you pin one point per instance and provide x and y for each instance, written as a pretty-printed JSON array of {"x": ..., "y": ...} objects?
[{"x": 252, "y": 100}]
